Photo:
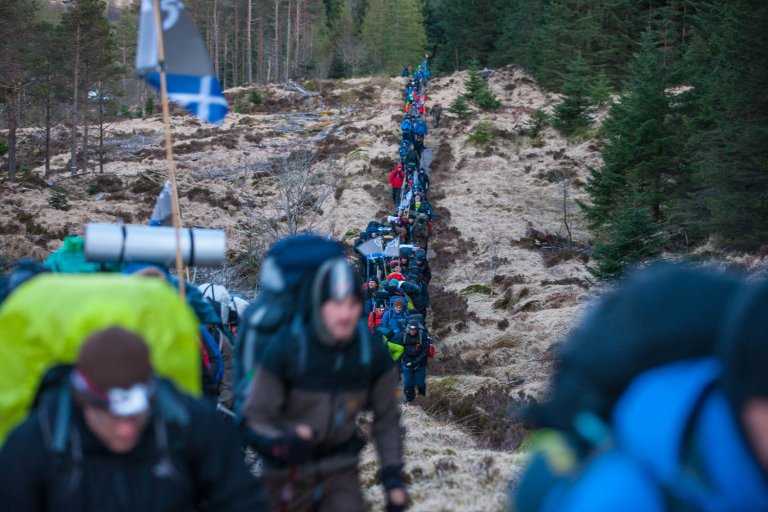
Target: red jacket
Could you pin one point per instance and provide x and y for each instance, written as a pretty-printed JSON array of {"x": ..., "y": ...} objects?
[
  {"x": 374, "y": 320},
  {"x": 397, "y": 176}
]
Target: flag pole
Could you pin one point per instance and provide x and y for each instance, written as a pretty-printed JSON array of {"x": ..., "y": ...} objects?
[{"x": 175, "y": 210}]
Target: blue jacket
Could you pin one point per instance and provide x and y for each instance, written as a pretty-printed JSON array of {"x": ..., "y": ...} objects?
[
  {"x": 676, "y": 441},
  {"x": 420, "y": 128},
  {"x": 406, "y": 126},
  {"x": 391, "y": 319}
]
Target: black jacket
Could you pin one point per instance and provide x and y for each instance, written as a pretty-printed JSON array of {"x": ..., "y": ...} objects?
[
  {"x": 416, "y": 349},
  {"x": 201, "y": 463}
]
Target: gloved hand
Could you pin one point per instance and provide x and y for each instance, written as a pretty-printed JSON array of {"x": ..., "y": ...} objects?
[
  {"x": 292, "y": 449},
  {"x": 397, "y": 498}
]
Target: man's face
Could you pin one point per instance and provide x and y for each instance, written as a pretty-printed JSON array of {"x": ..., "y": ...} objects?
[
  {"x": 398, "y": 307},
  {"x": 412, "y": 330},
  {"x": 120, "y": 434},
  {"x": 373, "y": 284},
  {"x": 340, "y": 317}
]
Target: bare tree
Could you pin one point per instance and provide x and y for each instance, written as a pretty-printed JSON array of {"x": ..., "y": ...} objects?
[
  {"x": 302, "y": 186},
  {"x": 353, "y": 53}
]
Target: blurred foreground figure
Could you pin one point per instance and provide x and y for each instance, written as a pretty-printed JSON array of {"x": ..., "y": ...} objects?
[
  {"x": 660, "y": 402},
  {"x": 312, "y": 378},
  {"x": 109, "y": 435}
]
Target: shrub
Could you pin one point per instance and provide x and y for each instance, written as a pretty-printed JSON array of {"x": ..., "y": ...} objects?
[
  {"x": 149, "y": 106},
  {"x": 539, "y": 120},
  {"x": 58, "y": 199},
  {"x": 255, "y": 98},
  {"x": 483, "y": 135}
]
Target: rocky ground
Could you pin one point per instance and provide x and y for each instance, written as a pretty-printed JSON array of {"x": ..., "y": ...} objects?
[{"x": 510, "y": 243}]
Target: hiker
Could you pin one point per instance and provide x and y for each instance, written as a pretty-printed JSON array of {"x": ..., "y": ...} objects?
[
  {"x": 394, "y": 316},
  {"x": 423, "y": 180},
  {"x": 370, "y": 288},
  {"x": 110, "y": 434},
  {"x": 406, "y": 127},
  {"x": 414, "y": 289},
  {"x": 420, "y": 130},
  {"x": 406, "y": 71},
  {"x": 396, "y": 179},
  {"x": 375, "y": 317},
  {"x": 414, "y": 361},
  {"x": 436, "y": 112},
  {"x": 421, "y": 205},
  {"x": 422, "y": 263},
  {"x": 420, "y": 229},
  {"x": 328, "y": 367},
  {"x": 405, "y": 146},
  {"x": 669, "y": 410}
]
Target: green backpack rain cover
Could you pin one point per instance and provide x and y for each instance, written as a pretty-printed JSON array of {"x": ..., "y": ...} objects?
[
  {"x": 70, "y": 258},
  {"x": 44, "y": 322}
]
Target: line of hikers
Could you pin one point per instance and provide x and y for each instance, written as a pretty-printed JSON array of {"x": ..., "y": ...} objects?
[
  {"x": 392, "y": 255},
  {"x": 101, "y": 412}
]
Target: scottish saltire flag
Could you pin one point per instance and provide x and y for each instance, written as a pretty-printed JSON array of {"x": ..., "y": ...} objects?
[
  {"x": 191, "y": 80},
  {"x": 162, "y": 214}
]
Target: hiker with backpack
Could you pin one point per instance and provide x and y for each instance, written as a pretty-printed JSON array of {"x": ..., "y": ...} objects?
[
  {"x": 317, "y": 368},
  {"x": 406, "y": 71},
  {"x": 436, "y": 112},
  {"x": 414, "y": 361},
  {"x": 423, "y": 180},
  {"x": 376, "y": 316},
  {"x": 396, "y": 179},
  {"x": 394, "y": 316},
  {"x": 370, "y": 288},
  {"x": 659, "y": 402},
  {"x": 110, "y": 434},
  {"x": 406, "y": 127},
  {"x": 422, "y": 205}
]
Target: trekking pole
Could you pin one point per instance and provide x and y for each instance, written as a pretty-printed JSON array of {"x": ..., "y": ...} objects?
[{"x": 175, "y": 210}]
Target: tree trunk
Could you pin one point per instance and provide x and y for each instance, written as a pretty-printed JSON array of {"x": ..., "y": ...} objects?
[
  {"x": 216, "y": 61},
  {"x": 260, "y": 61},
  {"x": 73, "y": 132},
  {"x": 101, "y": 128},
  {"x": 236, "y": 49},
  {"x": 48, "y": 134},
  {"x": 249, "y": 43},
  {"x": 85, "y": 128},
  {"x": 288, "y": 43},
  {"x": 224, "y": 63},
  {"x": 12, "y": 125},
  {"x": 276, "y": 56}
]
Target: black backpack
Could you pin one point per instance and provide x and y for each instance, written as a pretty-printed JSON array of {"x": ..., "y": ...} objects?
[{"x": 283, "y": 302}]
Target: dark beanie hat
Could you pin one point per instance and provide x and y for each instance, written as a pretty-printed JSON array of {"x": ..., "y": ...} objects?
[
  {"x": 114, "y": 358},
  {"x": 743, "y": 346}
]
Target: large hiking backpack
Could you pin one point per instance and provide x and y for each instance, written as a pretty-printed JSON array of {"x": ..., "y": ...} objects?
[
  {"x": 70, "y": 259},
  {"x": 286, "y": 275},
  {"x": 44, "y": 322},
  {"x": 659, "y": 316},
  {"x": 424, "y": 332}
]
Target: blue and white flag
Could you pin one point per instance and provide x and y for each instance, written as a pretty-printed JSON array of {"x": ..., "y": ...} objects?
[
  {"x": 190, "y": 76},
  {"x": 162, "y": 214}
]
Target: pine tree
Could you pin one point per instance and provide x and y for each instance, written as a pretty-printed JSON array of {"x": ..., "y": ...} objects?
[
  {"x": 729, "y": 122},
  {"x": 478, "y": 91},
  {"x": 460, "y": 107},
  {"x": 642, "y": 148},
  {"x": 634, "y": 237},
  {"x": 573, "y": 112}
]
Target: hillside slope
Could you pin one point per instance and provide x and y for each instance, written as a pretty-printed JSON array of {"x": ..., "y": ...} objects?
[{"x": 502, "y": 294}]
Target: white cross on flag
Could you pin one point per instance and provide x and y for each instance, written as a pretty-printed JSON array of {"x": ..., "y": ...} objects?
[{"x": 190, "y": 76}]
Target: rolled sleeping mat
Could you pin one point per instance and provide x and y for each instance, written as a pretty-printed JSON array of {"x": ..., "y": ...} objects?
[{"x": 153, "y": 244}]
